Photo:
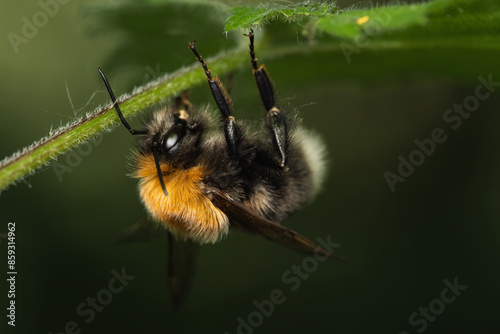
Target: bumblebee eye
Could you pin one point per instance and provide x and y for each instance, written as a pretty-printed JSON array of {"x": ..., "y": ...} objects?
[{"x": 173, "y": 136}]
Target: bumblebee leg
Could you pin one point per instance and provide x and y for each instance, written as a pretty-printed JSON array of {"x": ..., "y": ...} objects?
[
  {"x": 182, "y": 107},
  {"x": 181, "y": 265},
  {"x": 275, "y": 118},
  {"x": 182, "y": 102},
  {"x": 223, "y": 101}
]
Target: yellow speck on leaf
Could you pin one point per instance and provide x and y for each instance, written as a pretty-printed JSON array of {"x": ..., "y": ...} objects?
[{"x": 362, "y": 20}]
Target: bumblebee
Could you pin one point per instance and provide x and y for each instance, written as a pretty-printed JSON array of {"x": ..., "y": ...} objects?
[{"x": 197, "y": 178}]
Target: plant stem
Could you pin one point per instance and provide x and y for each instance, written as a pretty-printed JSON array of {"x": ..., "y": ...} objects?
[{"x": 43, "y": 151}]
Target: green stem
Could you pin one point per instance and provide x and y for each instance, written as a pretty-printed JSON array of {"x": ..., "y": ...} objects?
[{"x": 26, "y": 161}]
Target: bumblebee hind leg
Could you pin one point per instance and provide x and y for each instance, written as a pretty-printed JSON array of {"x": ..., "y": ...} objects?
[
  {"x": 275, "y": 119},
  {"x": 292, "y": 157}
]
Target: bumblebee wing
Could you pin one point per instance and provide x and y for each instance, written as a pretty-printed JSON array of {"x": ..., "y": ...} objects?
[
  {"x": 181, "y": 262},
  {"x": 142, "y": 231},
  {"x": 244, "y": 219}
]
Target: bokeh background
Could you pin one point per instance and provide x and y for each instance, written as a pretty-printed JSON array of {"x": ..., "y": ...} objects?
[{"x": 441, "y": 223}]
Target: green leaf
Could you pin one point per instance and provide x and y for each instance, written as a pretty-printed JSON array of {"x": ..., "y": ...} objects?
[
  {"x": 455, "y": 17},
  {"x": 354, "y": 23},
  {"x": 246, "y": 17}
]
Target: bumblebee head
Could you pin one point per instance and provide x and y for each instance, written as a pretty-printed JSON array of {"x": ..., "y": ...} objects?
[
  {"x": 171, "y": 135},
  {"x": 174, "y": 135}
]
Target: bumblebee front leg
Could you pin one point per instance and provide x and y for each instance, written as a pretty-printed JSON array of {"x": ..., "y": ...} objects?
[
  {"x": 275, "y": 119},
  {"x": 182, "y": 102},
  {"x": 223, "y": 101}
]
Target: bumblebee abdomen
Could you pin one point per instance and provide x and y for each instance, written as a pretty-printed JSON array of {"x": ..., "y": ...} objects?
[{"x": 274, "y": 192}]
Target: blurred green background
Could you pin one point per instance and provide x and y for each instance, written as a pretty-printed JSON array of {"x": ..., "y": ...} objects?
[{"x": 441, "y": 223}]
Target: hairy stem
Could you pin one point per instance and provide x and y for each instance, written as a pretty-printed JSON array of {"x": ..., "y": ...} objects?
[
  {"x": 60, "y": 141},
  {"x": 27, "y": 160}
]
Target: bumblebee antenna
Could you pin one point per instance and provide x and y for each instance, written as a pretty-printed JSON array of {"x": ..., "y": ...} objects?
[
  {"x": 132, "y": 131},
  {"x": 158, "y": 170},
  {"x": 117, "y": 108}
]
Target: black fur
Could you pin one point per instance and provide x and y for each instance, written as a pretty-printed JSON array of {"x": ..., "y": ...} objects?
[{"x": 255, "y": 173}]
